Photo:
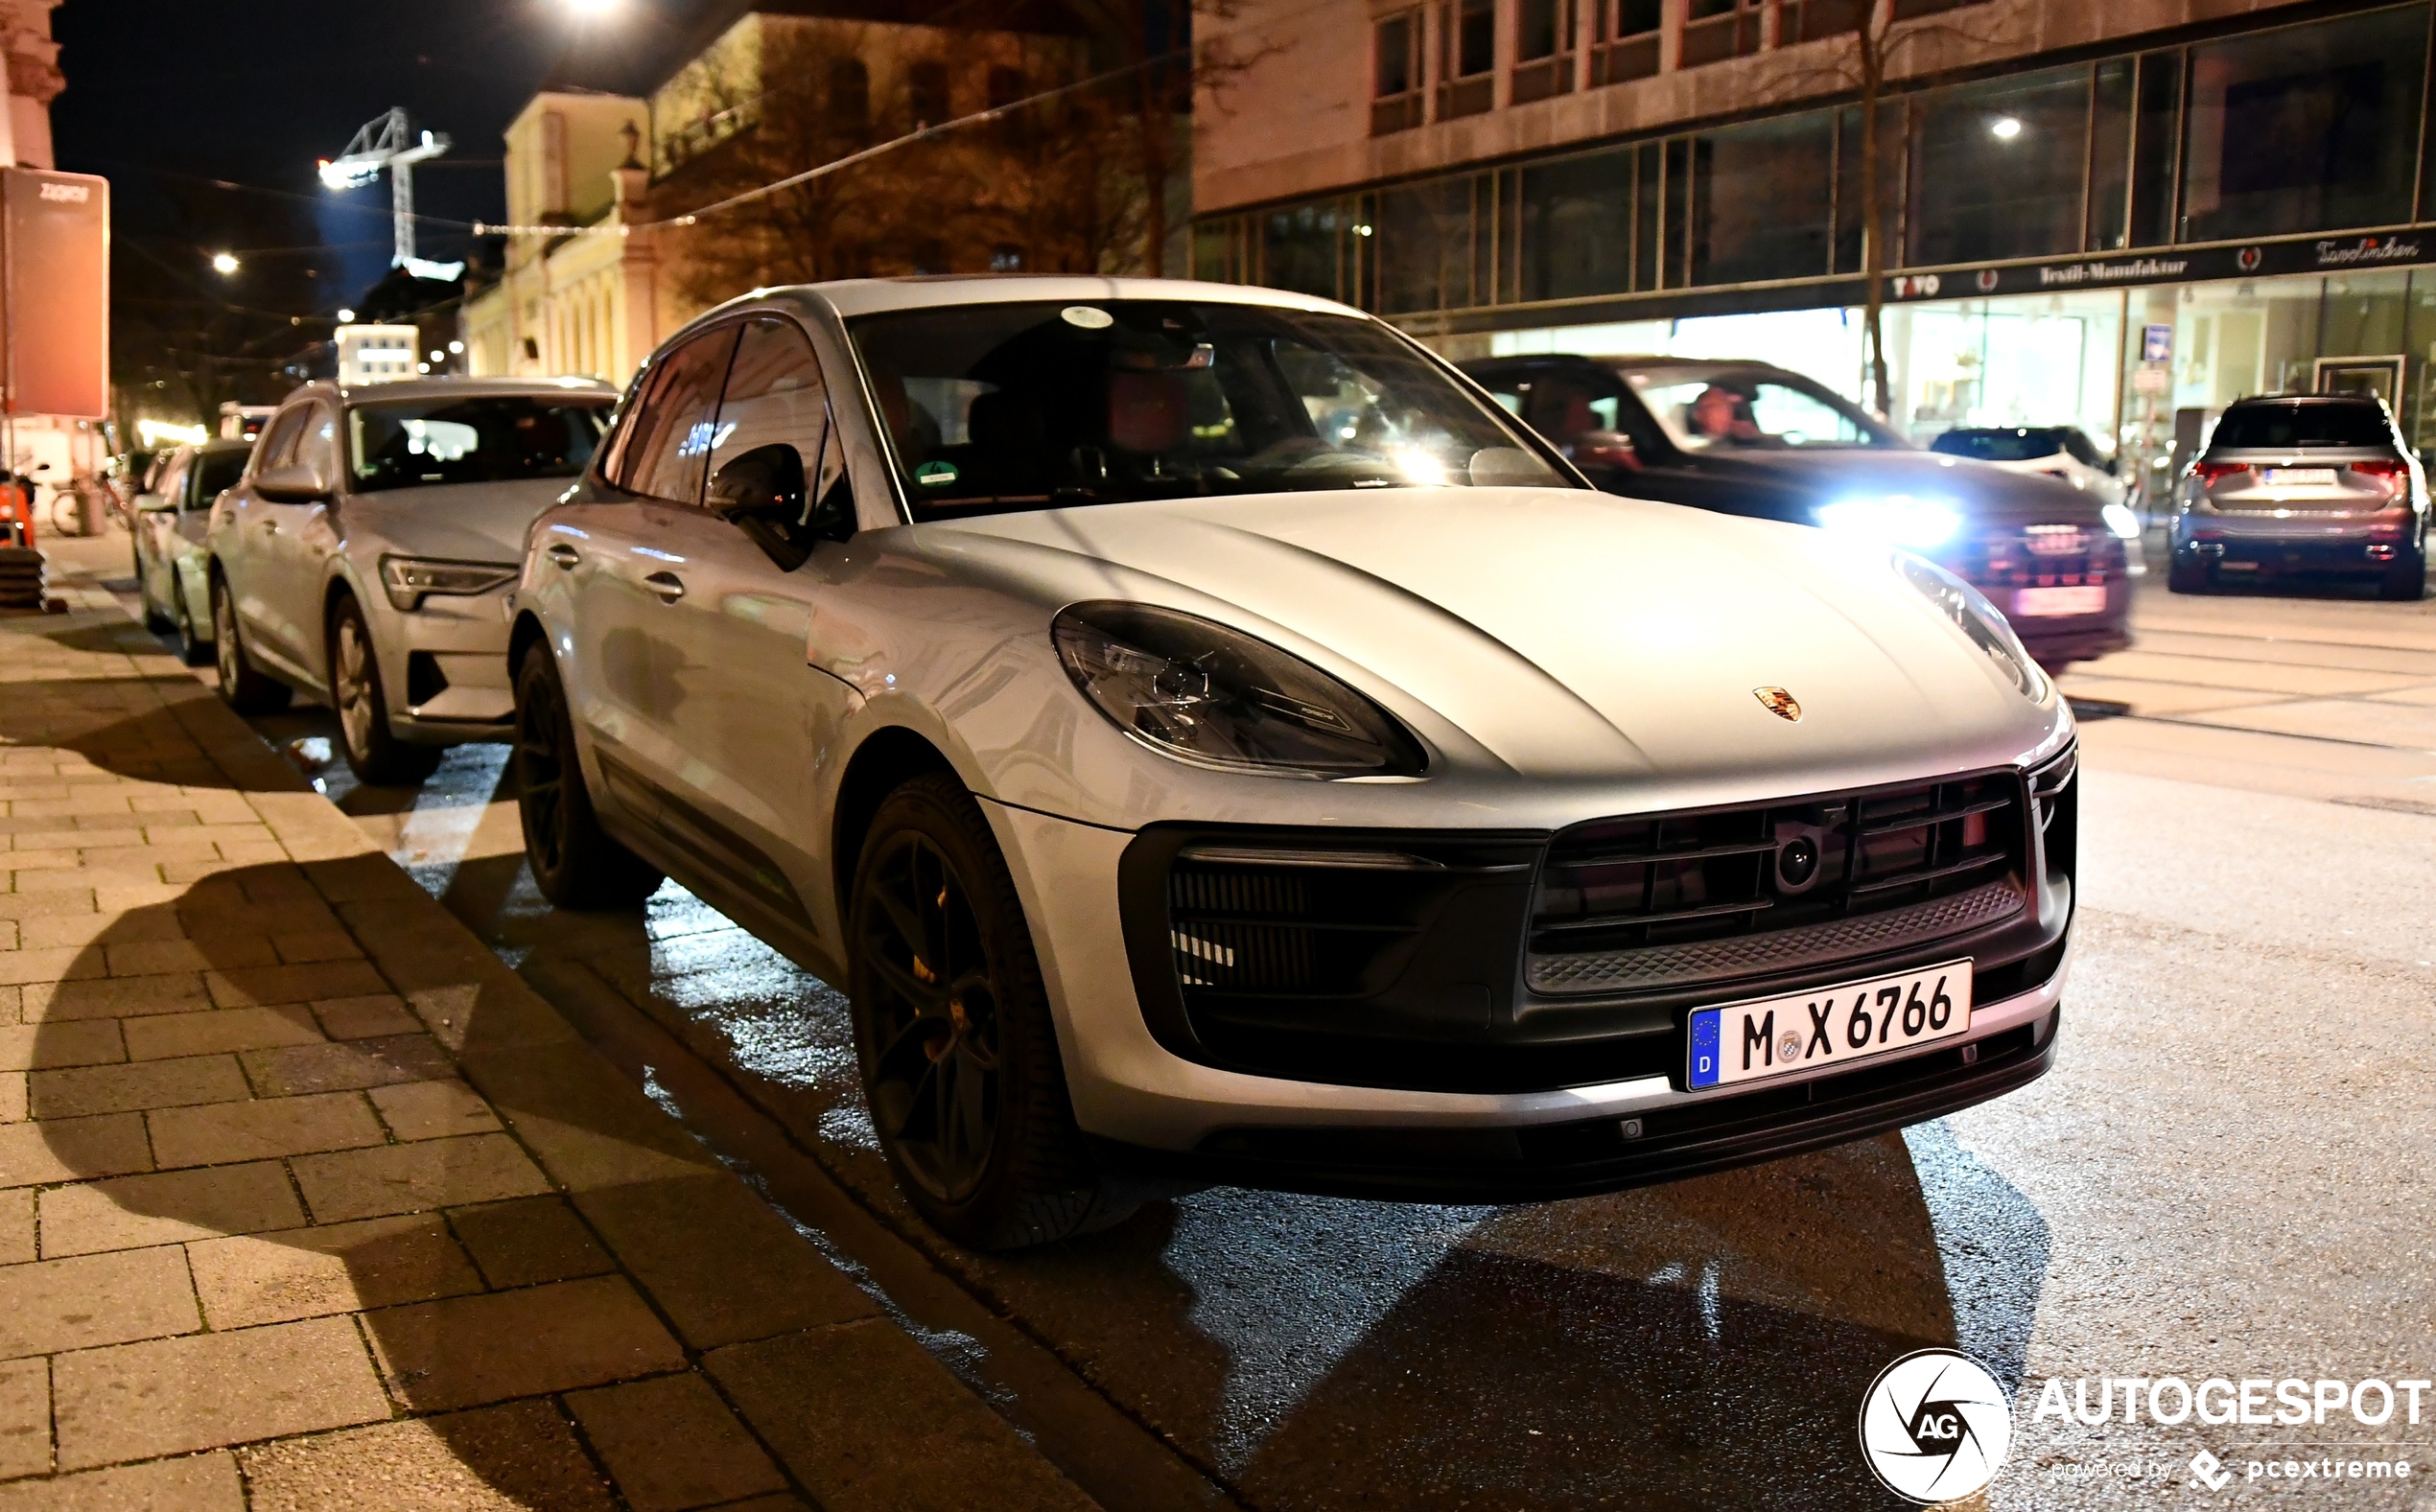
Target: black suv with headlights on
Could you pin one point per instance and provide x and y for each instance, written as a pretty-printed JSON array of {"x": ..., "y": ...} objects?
[
  {"x": 2301, "y": 485},
  {"x": 1748, "y": 438}
]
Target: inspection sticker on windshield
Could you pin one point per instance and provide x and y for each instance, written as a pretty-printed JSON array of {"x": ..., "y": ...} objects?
[
  {"x": 1088, "y": 318},
  {"x": 1774, "y": 1037},
  {"x": 935, "y": 474}
]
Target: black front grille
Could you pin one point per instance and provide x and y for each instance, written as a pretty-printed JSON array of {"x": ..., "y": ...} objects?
[
  {"x": 1714, "y": 894},
  {"x": 1250, "y": 926},
  {"x": 2044, "y": 556}
]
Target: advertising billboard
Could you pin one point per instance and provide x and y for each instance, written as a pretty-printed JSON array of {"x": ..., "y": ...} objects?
[{"x": 55, "y": 293}]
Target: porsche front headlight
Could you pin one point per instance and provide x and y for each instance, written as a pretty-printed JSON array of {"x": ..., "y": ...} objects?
[
  {"x": 1197, "y": 690},
  {"x": 1977, "y": 618}
]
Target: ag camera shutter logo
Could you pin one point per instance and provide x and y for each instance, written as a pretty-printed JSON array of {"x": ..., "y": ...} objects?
[{"x": 1935, "y": 1426}]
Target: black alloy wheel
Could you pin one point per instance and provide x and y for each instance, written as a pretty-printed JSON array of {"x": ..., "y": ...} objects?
[
  {"x": 573, "y": 861},
  {"x": 192, "y": 648},
  {"x": 374, "y": 752},
  {"x": 246, "y": 690},
  {"x": 952, "y": 1028}
]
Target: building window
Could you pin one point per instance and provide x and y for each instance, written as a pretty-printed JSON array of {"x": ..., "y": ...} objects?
[
  {"x": 848, "y": 97},
  {"x": 1466, "y": 58},
  {"x": 1396, "y": 73},
  {"x": 1760, "y": 199},
  {"x": 1302, "y": 249},
  {"x": 1543, "y": 50},
  {"x": 1576, "y": 226},
  {"x": 1626, "y": 44},
  {"x": 1425, "y": 234},
  {"x": 1716, "y": 30},
  {"x": 1817, "y": 20},
  {"x": 1996, "y": 169},
  {"x": 1006, "y": 259},
  {"x": 1007, "y": 86},
  {"x": 926, "y": 93},
  {"x": 2305, "y": 129},
  {"x": 2110, "y": 143}
]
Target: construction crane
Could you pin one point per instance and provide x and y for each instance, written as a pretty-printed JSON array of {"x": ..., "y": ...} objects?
[{"x": 386, "y": 141}]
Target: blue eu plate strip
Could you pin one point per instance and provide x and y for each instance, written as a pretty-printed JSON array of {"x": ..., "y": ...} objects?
[{"x": 1704, "y": 1066}]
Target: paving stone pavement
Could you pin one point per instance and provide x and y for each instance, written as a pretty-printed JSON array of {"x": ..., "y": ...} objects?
[{"x": 306, "y": 1200}]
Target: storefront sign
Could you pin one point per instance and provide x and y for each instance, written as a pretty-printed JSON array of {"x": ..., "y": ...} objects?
[{"x": 2260, "y": 259}]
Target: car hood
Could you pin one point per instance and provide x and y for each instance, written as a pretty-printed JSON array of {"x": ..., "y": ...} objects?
[
  {"x": 1992, "y": 495},
  {"x": 1565, "y": 631},
  {"x": 458, "y": 522}
]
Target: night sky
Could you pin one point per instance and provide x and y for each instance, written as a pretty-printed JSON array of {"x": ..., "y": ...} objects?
[{"x": 163, "y": 95}]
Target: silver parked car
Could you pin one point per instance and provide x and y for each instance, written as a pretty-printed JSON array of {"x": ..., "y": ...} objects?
[
  {"x": 1209, "y": 740},
  {"x": 363, "y": 557},
  {"x": 2301, "y": 485},
  {"x": 172, "y": 572}
]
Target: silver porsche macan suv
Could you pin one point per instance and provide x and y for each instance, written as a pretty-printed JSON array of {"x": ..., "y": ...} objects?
[
  {"x": 1210, "y": 741},
  {"x": 362, "y": 556}
]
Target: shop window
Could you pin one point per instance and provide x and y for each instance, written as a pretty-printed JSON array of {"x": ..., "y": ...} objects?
[
  {"x": 1716, "y": 30},
  {"x": 1300, "y": 248},
  {"x": 1466, "y": 58},
  {"x": 2110, "y": 155},
  {"x": 1998, "y": 169},
  {"x": 1425, "y": 247},
  {"x": 1817, "y": 20},
  {"x": 1396, "y": 73},
  {"x": 1761, "y": 200},
  {"x": 1626, "y": 45},
  {"x": 2305, "y": 129},
  {"x": 1576, "y": 226},
  {"x": 927, "y": 92},
  {"x": 2156, "y": 126},
  {"x": 1543, "y": 50}
]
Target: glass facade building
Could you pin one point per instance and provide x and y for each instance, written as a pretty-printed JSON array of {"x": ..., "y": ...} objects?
[{"x": 2257, "y": 194}]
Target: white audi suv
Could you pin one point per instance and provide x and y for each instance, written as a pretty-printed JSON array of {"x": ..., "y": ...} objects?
[
  {"x": 363, "y": 557},
  {"x": 1208, "y": 740}
]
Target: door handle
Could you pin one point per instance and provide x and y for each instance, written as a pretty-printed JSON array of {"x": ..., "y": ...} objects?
[
  {"x": 667, "y": 585},
  {"x": 271, "y": 527},
  {"x": 563, "y": 554}
]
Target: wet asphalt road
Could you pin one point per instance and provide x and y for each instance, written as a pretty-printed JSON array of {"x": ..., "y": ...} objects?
[{"x": 2229, "y": 1173}]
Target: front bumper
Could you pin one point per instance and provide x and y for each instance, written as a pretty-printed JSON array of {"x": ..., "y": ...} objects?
[
  {"x": 444, "y": 667},
  {"x": 1153, "y": 1110}
]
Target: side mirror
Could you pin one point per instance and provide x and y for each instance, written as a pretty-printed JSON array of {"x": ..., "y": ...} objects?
[
  {"x": 294, "y": 483},
  {"x": 762, "y": 493}
]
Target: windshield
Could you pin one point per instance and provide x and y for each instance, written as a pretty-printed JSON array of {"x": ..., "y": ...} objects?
[
  {"x": 417, "y": 443},
  {"x": 2000, "y": 445},
  {"x": 1738, "y": 407},
  {"x": 1044, "y": 405},
  {"x": 2280, "y": 427},
  {"x": 217, "y": 472}
]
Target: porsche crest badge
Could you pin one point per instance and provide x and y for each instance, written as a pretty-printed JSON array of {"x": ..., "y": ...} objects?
[{"x": 1778, "y": 702}]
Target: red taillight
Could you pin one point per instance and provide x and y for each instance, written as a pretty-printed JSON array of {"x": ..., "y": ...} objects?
[
  {"x": 2210, "y": 471},
  {"x": 2393, "y": 470}
]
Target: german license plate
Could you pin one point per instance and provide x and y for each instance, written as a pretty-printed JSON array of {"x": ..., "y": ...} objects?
[
  {"x": 1774, "y": 1037},
  {"x": 2087, "y": 598},
  {"x": 2296, "y": 477}
]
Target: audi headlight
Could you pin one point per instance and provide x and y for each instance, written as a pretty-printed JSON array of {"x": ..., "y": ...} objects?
[
  {"x": 2120, "y": 520},
  {"x": 408, "y": 578},
  {"x": 1977, "y": 620},
  {"x": 1194, "y": 690},
  {"x": 1896, "y": 519}
]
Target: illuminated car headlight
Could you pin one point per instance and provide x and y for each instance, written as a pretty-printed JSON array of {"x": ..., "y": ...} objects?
[
  {"x": 1194, "y": 690},
  {"x": 1977, "y": 620},
  {"x": 408, "y": 578},
  {"x": 2120, "y": 520},
  {"x": 1896, "y": 519}
]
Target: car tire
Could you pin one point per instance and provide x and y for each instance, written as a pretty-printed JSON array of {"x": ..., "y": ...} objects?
[
  {"x": 246, "y": 690},
  {"x": 192, "y": 648},
  {"x": 959, "y": 1054},
  {"x": 2186, "y": 575},
  {"x": 575, "y": 862},
  {"x": 374, "y": 753},
  {"x": 2406, "y": 581}
]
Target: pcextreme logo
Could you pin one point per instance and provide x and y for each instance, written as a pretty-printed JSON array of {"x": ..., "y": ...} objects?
[{"x": 1934, "y": 1426}]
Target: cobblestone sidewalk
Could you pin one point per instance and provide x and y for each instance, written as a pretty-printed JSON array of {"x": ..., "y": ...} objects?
[{"x": 306, "y": 1200}]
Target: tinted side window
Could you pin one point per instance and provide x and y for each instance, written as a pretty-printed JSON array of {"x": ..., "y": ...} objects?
[
  {"x": 317, "y": 442},
  {"x": 669, "y": 444},
  {"x": 775, "y": 395},
  {"x": 279, "y": 442},
  {"x": 172, "y": 478},
  {"x": 214, "y": 472}
]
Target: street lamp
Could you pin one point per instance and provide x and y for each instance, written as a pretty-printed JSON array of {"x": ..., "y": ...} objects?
[
  {"x": 224, "y": 263},
  {"x": 2004, "y": 128},
  {"x": 346, "y": 317}
]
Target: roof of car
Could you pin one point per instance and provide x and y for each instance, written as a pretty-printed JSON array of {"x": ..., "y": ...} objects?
[
  {"x": 2247, "y": 400},
  {"x": 455, "y": 383},
  {"x": 2057, "y": 429},
  {"x": 862, "y": 296}
]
